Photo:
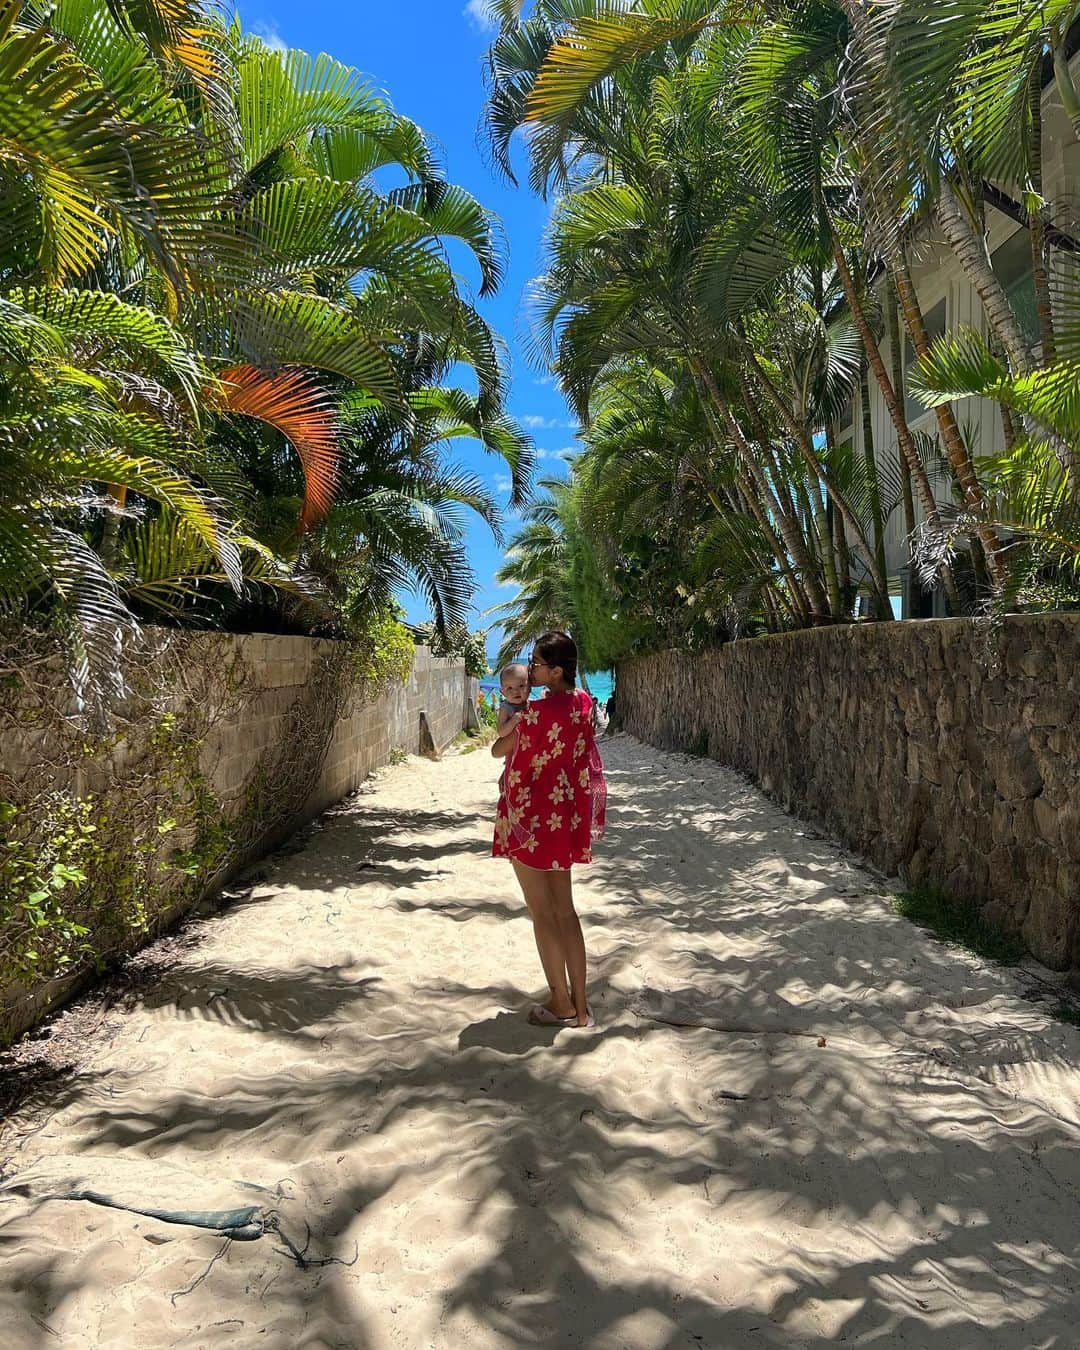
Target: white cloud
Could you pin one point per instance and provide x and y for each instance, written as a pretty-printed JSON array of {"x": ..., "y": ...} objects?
[
  {"x": 558, "y": 454},
  {"x": 267, "y": 30},
  {"x": 477, "y": 12},
  {"x": 536, "y": 423},
  {"x": 503, "y": 483}
]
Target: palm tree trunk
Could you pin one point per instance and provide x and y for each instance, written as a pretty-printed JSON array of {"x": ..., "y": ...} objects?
[
  {"x": 1008, "y": 417},
  {"x": 1037, "y": 226},
  {"x": 870, "y": 461},
  {"x": 769, "y": 456},
  {"x": 793, "y": 541},
  {"x": 971, "y": 253},
  {"x": 110, "y": 538},
  {"x": 750, "y": 497},
  {"x": 770, "y": 600},
  {"x": 843, "y": 553},
  {"x": 792, "y": 554},
  {"x": 814, "y": 507},
  {"x": 896, "y": 413},
  {"x": 826, "y": 552},
  {"x": 957, "y": 452},
  {"x": 797, "y": 602},
  {"x": 843, "y": 564},
  {"x": 801, "y": 439},
  {"x": 898, "y": 385}
]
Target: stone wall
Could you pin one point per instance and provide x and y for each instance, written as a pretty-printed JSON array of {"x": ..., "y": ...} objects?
[
  {"x": 225, "y": 745},
  {"x": 366, "y": 736},
  {"x": 940, "y": 750}
]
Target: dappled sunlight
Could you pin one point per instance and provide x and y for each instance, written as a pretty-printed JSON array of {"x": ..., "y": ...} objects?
[{"x": 799, "y": 1120}]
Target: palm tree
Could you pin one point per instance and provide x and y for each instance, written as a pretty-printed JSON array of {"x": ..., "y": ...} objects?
[
  {"x": 851, "y": 124},
  {"x": 537, "y": 564},
  {"x": 198, "y": 259},
  {"x": 672, "y": 568},
  {"x": 663, "y": 249}
]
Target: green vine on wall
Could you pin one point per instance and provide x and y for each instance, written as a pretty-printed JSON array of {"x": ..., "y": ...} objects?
[
  {"x": 457, "y": 642},
  {"x": 384, "y": 655},
  {"x": 108, "y": 832},
  {"x": 38, "y": 935}
]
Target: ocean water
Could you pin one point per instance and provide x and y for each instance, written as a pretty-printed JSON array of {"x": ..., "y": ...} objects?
[{"x": 600, "y": 684}]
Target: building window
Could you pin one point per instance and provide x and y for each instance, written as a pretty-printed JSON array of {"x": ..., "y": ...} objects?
[
  {"x": 1013, "y": 268},
  {"x": 934, "y": 321}
]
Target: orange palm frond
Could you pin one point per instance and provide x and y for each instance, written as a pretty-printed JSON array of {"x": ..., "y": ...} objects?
[{"x": 304, "y": 414}]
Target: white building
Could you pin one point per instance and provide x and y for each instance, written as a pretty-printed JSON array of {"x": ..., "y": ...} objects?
[{"x": 948, "y": 300}]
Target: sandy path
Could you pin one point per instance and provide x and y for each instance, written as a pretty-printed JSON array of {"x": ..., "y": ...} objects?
[{"x": 349, "y": 1038}]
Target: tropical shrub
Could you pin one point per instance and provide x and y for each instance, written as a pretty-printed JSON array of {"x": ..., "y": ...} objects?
[
  {"x": 224, "y": 343},
  {"x": 741, "y": 194}
]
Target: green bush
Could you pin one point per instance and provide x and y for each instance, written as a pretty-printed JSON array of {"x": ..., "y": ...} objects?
[{"x": 384, "y": 654}]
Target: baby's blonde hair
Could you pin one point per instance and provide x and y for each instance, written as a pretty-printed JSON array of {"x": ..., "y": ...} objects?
[{"x": 513, "y": 666}]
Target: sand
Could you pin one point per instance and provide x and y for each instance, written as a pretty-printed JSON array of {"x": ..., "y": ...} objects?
[{"x": 856, "y": 1135}]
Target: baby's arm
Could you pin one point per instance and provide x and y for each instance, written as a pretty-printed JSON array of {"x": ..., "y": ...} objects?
[{"x": 506, "y": 739}]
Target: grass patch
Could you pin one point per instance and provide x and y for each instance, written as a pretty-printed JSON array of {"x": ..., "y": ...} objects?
[
  {"x": 699, "y": 746},
  {"x": 957, "y": 921},
  {"x": 470, "y": 740}
]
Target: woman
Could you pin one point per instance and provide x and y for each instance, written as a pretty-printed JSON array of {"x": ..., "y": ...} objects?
[{"x": 551, "y": 805}]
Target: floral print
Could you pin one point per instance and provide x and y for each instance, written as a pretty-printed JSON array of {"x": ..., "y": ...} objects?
[{"x": 553, "y": 826}]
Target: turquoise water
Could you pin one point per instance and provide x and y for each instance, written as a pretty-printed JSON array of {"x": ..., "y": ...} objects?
[{"x": 600, "y": 685}]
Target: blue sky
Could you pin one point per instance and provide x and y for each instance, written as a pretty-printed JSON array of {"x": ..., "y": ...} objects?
[{"x": 427, "y": 55}]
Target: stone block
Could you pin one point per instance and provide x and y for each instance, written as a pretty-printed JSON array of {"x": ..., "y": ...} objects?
[
  {"x": 1049, "y": 928},
  {"x": 1024, "y": 833},
  {"x": 1069, "y": 829},
  {"x": 1001, "y": 818},
  {"x": 1055, "y": 708},
  {"x": 1047, "y": 821},
  {"x": 1025, "y": 655},
  {"x": 998, "y": 914},
  {"x": 969, "y": 879},
  {"x": 1068, "y": 882},
  {"x": 918, "y": 867},
  {"x": 1016, "y": 772}
]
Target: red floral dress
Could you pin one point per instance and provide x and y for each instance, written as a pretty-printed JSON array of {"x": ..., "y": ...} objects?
[{"x": 552, "y": 796}]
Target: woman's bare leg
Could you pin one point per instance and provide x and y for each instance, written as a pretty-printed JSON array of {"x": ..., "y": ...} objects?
[
  {"x": 548, "y": 933},
  {"x": 561, "y": 887}
]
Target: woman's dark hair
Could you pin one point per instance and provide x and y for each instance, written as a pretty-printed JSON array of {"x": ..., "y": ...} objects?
[{"x": 558, "y": 649}]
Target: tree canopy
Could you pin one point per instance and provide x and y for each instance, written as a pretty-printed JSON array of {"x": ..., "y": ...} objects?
[
  {"x": 742, "y": 192},
  {"x": 228, "y": 351}
]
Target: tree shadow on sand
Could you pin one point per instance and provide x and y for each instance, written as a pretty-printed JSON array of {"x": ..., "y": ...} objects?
[
  {"x": 732, "y": 1184},
  {"x": 555, "y": 1171}
]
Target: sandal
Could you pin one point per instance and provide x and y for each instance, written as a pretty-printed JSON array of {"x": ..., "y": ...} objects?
[{"x": 540, "y": 1016}]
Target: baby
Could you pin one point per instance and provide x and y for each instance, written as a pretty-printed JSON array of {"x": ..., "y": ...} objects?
[{"x": 514, "y": 684}]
